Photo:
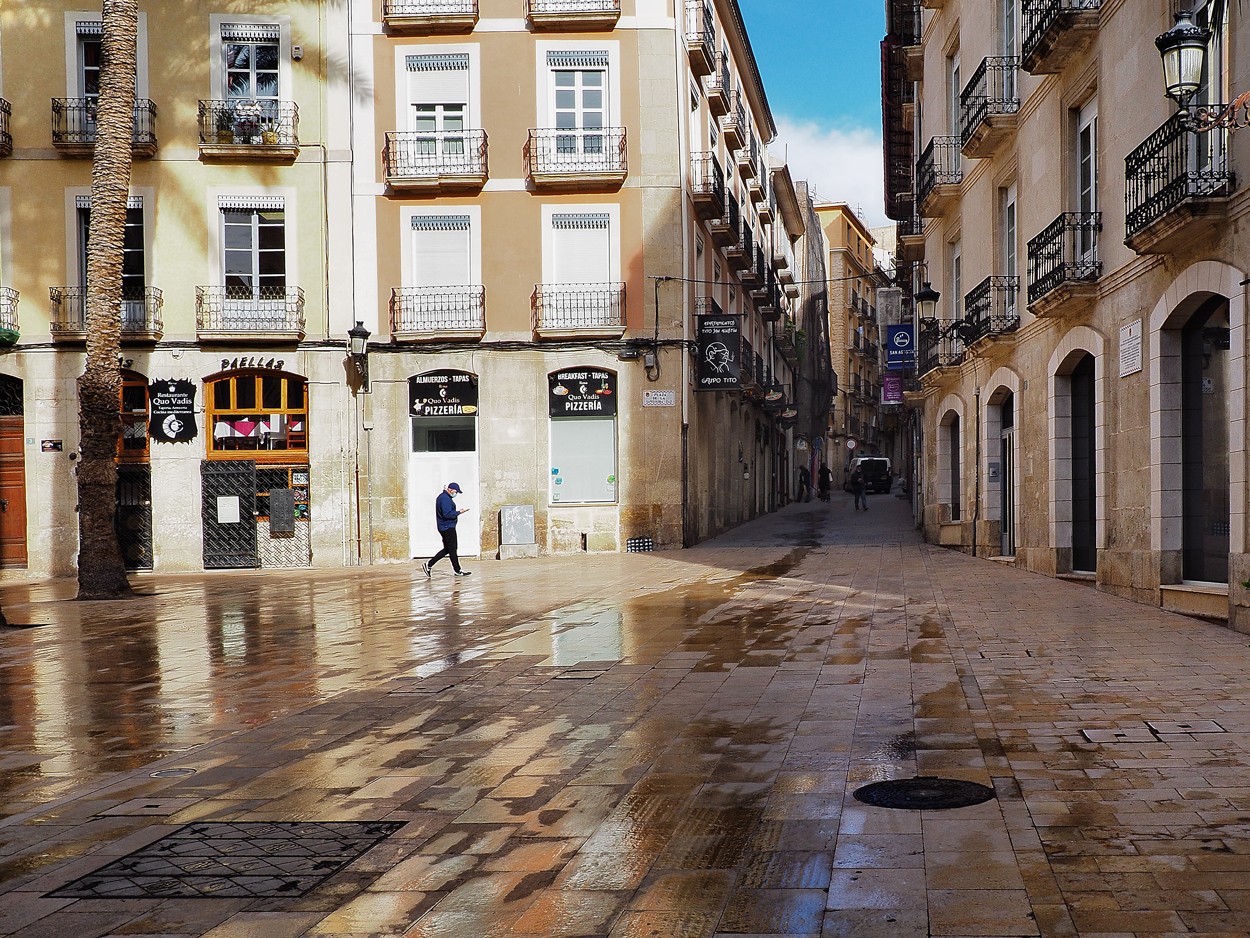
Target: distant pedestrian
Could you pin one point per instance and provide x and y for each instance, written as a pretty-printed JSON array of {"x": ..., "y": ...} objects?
[
  {"x": 859, "y": 489},
  {"x": 805, "y": 484},
  {"x": 445, "y": 517},
  {"x": 824, "y": 481}
]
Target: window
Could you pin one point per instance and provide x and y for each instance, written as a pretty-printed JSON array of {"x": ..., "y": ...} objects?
[
  {"x": 953, "y": 89},
  {"x": 251, "y": 61},
  {"x": 1010, "y": 249},
  {"x": 253, "y": 248},
  {"x": 132, "y": 444},
  {"x": 957, "y": 286},
  {"x": 258, "y": 411},
  {"x": 581, "y": 248},
  {"x": 1087, "y": 180},
  {"x": 579, "y": 105},
  {"x": 134, "y": 278},
  {"x": 88, "y": 70},
  {"x": 440, "y": 250},
  {"x": 438, "y": 98}
]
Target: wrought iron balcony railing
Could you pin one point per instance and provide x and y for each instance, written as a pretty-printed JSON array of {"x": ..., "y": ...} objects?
[
  {"x": 264, "y": 127},
  {"x": 707, "y": 185},
  {"x": 936, "y": 347},
  {"x": 700, "y": 36},
  {"x": 435, "y": 159},
  {"x": 1174, "y": 167},
  {"x": 740, "y": 253},
  {"x": 1051, "y": 31},
  {"x": 992, "y": 307},
  {"x": 578, "y": 307},
  {"x": 243, "y": 311},
  {"x": 726, "y": 228},
  {"x": 569, "y": 157},
  {"x": 573, "y": 14},
  {"x": 6, "y": 138},
  {"x": 706, "y": 306},
  {"x": 1066, "y": 251},
  {"x": 733, "y": 125},
  {"x": 992, "y": 94},
  {"x": 140, "y": 311},
  {"x": 74, "y": 126},
  {"x": 941, "y": 164},
  {"x": 430, "y": 15},
  {"x": 9, "y": 330},
  {"x": 718, "y": 87},
  {"x": 437, "y": 311}
]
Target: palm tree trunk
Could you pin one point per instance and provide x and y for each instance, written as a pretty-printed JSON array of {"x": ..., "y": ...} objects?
[{"x": 101, "y": 572}]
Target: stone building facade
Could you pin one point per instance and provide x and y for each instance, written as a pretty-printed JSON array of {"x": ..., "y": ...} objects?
[{"x": 1081, "y": 395}]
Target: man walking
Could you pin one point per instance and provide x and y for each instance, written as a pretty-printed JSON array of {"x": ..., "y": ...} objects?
[
  {"x": 805, "y": 484},
  {"x": 859, "y": 488},
  {"x": 445, "y": 516}
]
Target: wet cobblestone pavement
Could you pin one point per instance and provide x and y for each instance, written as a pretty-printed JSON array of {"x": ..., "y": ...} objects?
[{"x": 661, "y": 744}]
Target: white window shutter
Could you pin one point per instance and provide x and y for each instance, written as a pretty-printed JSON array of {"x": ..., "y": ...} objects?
[
  {"x": 440, "y": 251},
  {"x": 580, "y": 248},
  {"x": 438, "y": 79}
]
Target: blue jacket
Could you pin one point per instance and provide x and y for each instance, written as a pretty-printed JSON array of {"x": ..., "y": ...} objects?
[{"x": 445, "y": 512}]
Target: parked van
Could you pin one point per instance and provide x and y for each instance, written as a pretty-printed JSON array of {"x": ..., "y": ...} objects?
[{"x": 878, "y": 476}]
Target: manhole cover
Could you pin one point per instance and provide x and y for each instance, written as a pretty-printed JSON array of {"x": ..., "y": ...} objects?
[
  {"x": 925, "y": 792},
  {"x": 219, "y": 860}
]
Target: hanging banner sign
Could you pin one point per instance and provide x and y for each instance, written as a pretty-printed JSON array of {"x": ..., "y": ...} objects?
[
  {"x": 581, "y": 392},
  {"x": 444, "y": 393},
  {"x": 900, "y": 347},
  {"x": 891, "y": 389},
  {"x": 719, "y": 351},
  {"x": 172, "y": 411}
]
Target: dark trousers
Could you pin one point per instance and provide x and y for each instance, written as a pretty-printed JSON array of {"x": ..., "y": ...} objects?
[{"x": 450, "y": 545}]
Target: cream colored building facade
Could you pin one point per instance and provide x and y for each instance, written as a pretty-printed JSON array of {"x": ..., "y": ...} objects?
[
  {"x": 1081, "y": 403},
  {"x": 534, "y": 251}
]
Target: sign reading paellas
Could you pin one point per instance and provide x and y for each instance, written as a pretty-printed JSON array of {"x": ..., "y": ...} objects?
[
  {"x": 172, "y": 403},
  {"x": 444, "y": 393},
  {"x": 581, "y": 392}
]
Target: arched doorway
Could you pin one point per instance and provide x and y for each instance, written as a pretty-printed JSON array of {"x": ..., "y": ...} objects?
[
  {"x": 950, "y": 467},
  {"x": 1205, "y": 388}
]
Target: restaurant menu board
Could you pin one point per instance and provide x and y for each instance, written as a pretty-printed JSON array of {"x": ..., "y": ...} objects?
[
  {"x": 442, "y": 394},
  {"x": 719, "y": 343},
  {"x": 172, "y": 409},
  {"x": 581, "y": 392}
]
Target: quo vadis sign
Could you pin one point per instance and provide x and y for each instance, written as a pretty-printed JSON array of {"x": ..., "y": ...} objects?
[
  {"x": 719, "y": 343},
  {"x": 581, "y": 392},
  {"x": 442, "y": 394},
  {"x": 172, "y": 411}
]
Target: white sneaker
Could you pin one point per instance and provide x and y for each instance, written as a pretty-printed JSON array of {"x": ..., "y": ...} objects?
[{"x": 425, "y": 567}]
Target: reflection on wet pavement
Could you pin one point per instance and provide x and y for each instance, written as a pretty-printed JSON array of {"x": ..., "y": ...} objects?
[{"x": 647, "y": 744}]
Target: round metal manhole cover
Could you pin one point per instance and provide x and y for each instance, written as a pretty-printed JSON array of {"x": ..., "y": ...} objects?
[
  {"x": 172, "y": 773},
  {"x": 925, "y": 792}
]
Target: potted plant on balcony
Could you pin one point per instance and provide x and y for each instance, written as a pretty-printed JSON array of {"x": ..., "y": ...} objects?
[
  {"x": 269, "y": 132},
  {"x": 225, "y": 126}
]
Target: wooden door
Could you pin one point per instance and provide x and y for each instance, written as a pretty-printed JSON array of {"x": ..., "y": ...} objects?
[{"x": 12, "y": 492}]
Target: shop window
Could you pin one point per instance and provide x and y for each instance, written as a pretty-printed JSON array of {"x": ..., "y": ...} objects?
[
  {"x": 132, "y": 442},
  {"x": 261, "y": 414},
  {"x": 582, "y": 407}
]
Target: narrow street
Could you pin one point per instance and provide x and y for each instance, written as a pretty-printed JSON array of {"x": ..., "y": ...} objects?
[{"x": 657, "y": 744}]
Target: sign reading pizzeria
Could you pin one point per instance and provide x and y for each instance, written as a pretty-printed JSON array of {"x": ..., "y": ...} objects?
[
  {"x": 581, "y": 392},
  {"x": 443, "y": 393},
  {"x": 172, "y": 404}
]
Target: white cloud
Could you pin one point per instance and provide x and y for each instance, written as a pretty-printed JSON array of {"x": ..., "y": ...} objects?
[{"x": 842, "y": 164}]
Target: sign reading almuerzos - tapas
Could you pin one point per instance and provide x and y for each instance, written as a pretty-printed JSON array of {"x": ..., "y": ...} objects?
[
  {"x": 444, "y": 393},
  {"x": 719, "y": 343},
  {"x": 581, "y": 392},
  {"x": 172, "y": 411}
]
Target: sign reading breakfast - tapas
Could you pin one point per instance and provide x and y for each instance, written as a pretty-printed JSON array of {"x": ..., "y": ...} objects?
[
  {"x": 581, "y": 392},
  {"x": 443, "y": 393}
]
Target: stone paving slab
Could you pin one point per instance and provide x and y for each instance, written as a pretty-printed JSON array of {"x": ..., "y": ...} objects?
[{"x": 661, "y": 744}]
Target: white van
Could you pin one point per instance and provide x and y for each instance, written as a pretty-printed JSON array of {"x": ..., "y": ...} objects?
[{"x": 878, "y": 476}]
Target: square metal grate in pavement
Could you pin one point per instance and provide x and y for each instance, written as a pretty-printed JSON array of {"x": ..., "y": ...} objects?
[{"x": 241, "y": 859}]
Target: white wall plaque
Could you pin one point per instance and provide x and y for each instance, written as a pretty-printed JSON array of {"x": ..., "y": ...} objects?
[
  {"x": 227, "y": 509},
  {"x": 659, "y": 398},
  {"x": 1131, "y": 348}
]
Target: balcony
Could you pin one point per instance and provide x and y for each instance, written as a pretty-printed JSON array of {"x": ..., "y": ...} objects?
[
  {"x": 740, "y": 253},
  {"x": 6, "y": 138},
  {"x": 247, "y": 130},
  {"x": 1056, "y": 32},
  {"x": 782, "y": 256},
  {"x": 140, "y": 314},
  {"x": 726, "y": 229},
  {"x": 1064, "y": 265},
  {"x": 244, "y": 314},
  {"x": 429, "y": 16},
  {"x": 788, "y": 343},
  {"x": 988, "y": 106},
  {"x": 700, "y": 37},
  {"x": 434, "y": 314},
  {"x": 991, "y": 308},
  {"x": 9, "y": 329},
  {"x": 906, "y": 26},
  {"x": 578, "y": 310},
  {"x": 733, "y": 126},
  {"x": 910, "y": 236},
  {"x": 707, "y": 186},
  {"x": 572, "y": 15},
  {"x": 706, "y": 306},
  {"x": 568, "y": 160},
  {"x": 445, "y": 161},
  {"x": 746, "y": 159},
  {"x": 939, "y": 173},
  {"x": 74, "y": 127},
  {"x": 752, "y": 275},
  {"x": 936, "y": 348},
  {"x": 765, "y": 208},
  {"x": 1177, "y": 185},
  {"x": 719, "y": 91}
]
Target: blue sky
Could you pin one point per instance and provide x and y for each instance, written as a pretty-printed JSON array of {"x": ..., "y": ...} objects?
[{"x": 821, "y": 65}]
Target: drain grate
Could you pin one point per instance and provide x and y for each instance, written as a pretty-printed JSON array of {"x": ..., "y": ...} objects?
[
  {"x": 924, "y": 792},
  {"x": 242, "y": 859}
]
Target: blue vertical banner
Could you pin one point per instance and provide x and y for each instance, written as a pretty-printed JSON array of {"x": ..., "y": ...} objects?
[{"x": 900, "y": 347}]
